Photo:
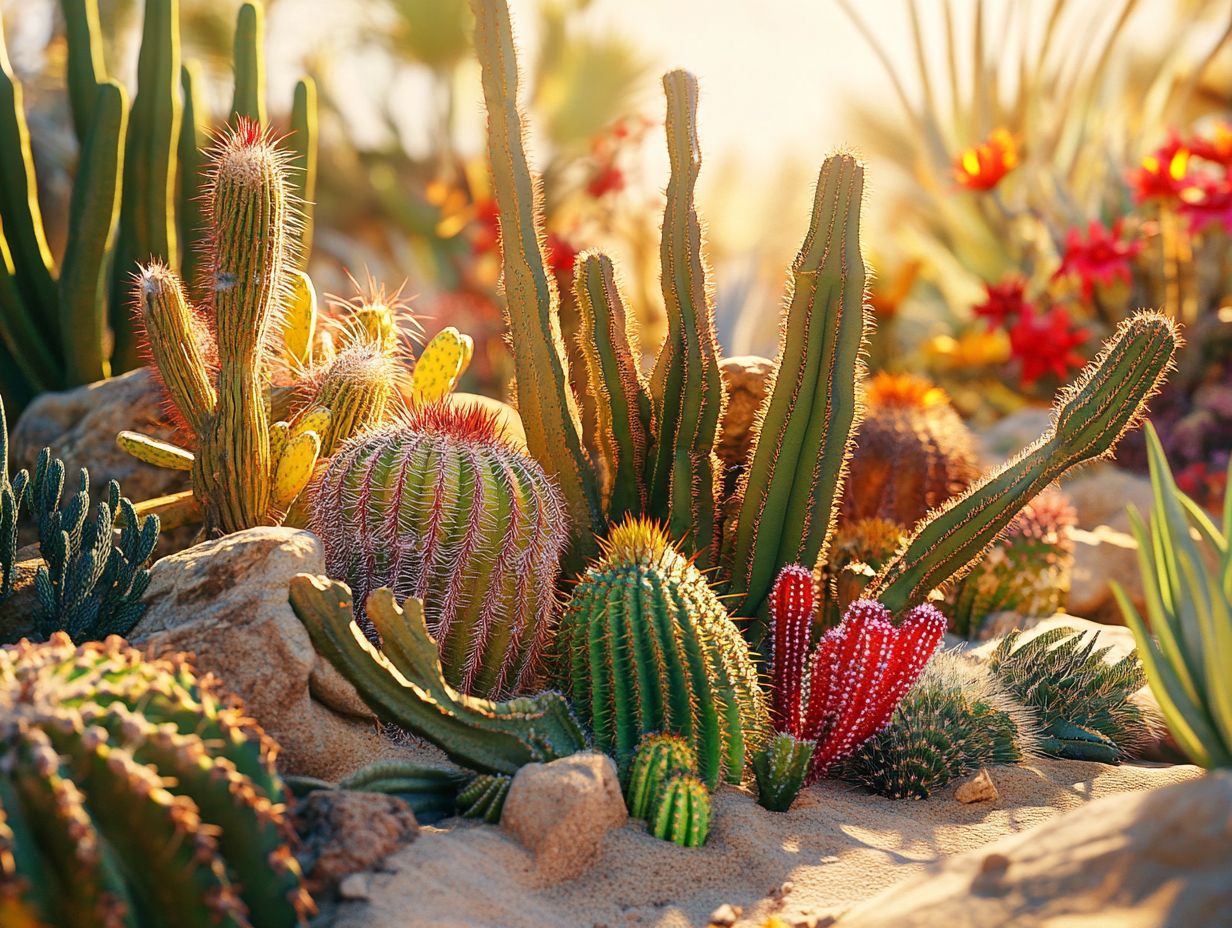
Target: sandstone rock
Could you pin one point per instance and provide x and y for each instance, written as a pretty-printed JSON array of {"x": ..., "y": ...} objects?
[
  {"x": 344, "y": 833},
  {"x": 561, "y": 811},
  {"x": 1102, "y": 556},
  {"x": 1157, "y": 859},
  {"x": 226, "y": 601},
  {"x": 18, "y": 611},
  {"x": 746, "y": 379},
  {"x": 980, "y": 788},
  {"x": 725, "y": 915},
  {"x": 1013, "y": 433},
  {"x": 508, "y": 421},
  {"x": 1101, "y": 494}
]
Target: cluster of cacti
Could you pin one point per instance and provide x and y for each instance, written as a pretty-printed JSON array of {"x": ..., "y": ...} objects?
[
  {"x": 645, "y": 646},
  {"x": 656, "y": 436},
  {"x": 217, "y": 365},
  {"x": 1185, "y": 560},
  {"x": 90, "y": 584},
  {"x": 404, "y": 685},
  {"x": 133, "y": 199},
  {"x": 841, "y": 692},
  {"x": 956, "y": 719},
  {"x": 433, "y": 792},
  {"x": 441, "y": 508},
  {"x": 912, "y": 452},
  {"x": 1026, "y": 572},
  {"x": 131, "y": 795},
  {"x": 662, "y": 788},
  {"x": 1084, "y": 703}
]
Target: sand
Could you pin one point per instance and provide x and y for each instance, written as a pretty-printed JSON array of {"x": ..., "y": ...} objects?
[{"x": 837, "y": 845}]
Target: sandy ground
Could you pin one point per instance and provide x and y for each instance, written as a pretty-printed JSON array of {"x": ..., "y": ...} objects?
[{"x": 836, "y": 846}]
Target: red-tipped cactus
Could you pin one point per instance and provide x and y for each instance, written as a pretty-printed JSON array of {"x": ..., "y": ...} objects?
[
  {"x": 440, "y": 508},
  {"x": 857, "y": 674}
]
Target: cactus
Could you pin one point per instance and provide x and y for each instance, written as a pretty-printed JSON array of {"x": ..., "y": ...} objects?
[
  {"x": 441, "y": 508},
  {"x": 1084, "y": 703},
  {"x": 646, "y": 646},
  {"x": 955, "y": 719},
  {"x": 405, "y": 686},
  {"x": 67, "y": 325},
  {"x": 859, "y": 550},
  {"x": 912, "y": 452},
  {"x": 682, "y": 813},
  {"x": 792, "y": 603},
  {"x": 1027, "y": 572},
  {"x": 131, "y": 794},
  {"x": 484, "y": 797},
  {"x": 780, "y": 769},
  {"x": 1186, "y": 562},
  {"x": 432, "y": 791},
  {"x": 12, "y": 495},
  {"x": 440, "y": 366},
  {"x": 658, "y": 758}
]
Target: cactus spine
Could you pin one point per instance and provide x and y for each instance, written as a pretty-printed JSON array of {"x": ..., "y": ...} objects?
[
  {"x": 129, "y": 794},
  {"x": 404, "y": 685},
  {"x": 646, "y": 646},
  {"x": 682, "y": 813},
  {"x": 659, "y": 757},
  {"x": 780, "y": 769},
  {"x": 440, "y": 508}
]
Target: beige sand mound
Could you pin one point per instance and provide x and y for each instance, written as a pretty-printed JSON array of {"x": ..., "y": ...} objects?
[{"x": 837, "y": 845}]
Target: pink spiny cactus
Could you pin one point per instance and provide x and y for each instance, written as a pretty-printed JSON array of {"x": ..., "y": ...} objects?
[{"x": 857, "y": 674}]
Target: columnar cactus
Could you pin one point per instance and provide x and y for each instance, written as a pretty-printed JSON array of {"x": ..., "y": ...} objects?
[
  {"x": 440, "y": 507},
  {"x": 646, "y": 646},
  {"x": 1084, "y": 703},
  {"x": 780, "y": 769},
  {"x": 659, "y": 757},
  {"x": 130, "y": 794},
  {"x": 955, "y": 719},
  {"x": 681, "y": 813},
  {"x": 404, "y": 685}
]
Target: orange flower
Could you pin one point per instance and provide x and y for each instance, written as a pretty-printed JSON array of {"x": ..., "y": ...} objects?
[
  {"x": 1163, "y": 174},
  {"x": 982, "y": 167}
]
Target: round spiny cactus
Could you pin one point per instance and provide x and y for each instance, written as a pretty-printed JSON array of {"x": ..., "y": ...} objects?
[
  {"x": 681, "y": 813},
  {"x": 955, "y": 719},
  {"x": 912, "y": 452},
  {"x": 646, "y": 646},
  {"x": 440, "y": 508},
  {"x": 658, "y": 758},
  {"x": 129, "y": 795}
]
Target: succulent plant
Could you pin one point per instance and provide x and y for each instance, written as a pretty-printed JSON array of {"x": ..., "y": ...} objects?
[
  {"x": 844, "y": 690},
  {"x": 859, "y": 550},
  {"x": 1084, "y": 703},
  {"x": 658, "y": 758},
  {"x": 681, "y": 813},
  {"x": 912, "y": 452},
  {"x": 439, "y": 507},
  {"x": 1186, "y": 564},
  {"x": 780, "y": 769},
  {"x": 404, "y": 685},
  {"x": 1026, "y": 572},
  {"x": 646, "y": 646},
  {"x": 130, "y": 794},
  {"x": 12, "y": 496},
  {"x": 484, "y": 797},
  {"x": 440, "y": 365},
  {"x": 64, "y": 326},
  {"x": 433, "y": 792},
  {"x": 656, "y": 449},
  {"x": 955, "y": 719}
]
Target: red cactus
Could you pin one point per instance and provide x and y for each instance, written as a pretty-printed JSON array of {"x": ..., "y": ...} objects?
[{"x": 857, "y": 674}]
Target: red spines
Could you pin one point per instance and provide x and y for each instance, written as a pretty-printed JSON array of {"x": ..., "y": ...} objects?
[{"x": 791, "y": 617}]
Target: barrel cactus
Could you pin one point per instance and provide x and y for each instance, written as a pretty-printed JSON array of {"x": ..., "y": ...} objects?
[
  {"x": 646, "y": 646},
  {"x": 681, "y": 813},
  {"x": 441, "y": 508},
  {"x": 131, "y": 795},
  {"x": 658, "y": 758}
]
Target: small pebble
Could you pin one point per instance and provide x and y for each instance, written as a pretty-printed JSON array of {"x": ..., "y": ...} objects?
[
  {"x": 725, "y": 915},
  {"x": 354, "y": 886},
  {"x": 980, "y": 788}
]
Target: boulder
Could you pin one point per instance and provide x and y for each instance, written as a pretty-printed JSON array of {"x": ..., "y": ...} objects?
[
  {"x": 1010, "y": 435},
  {"x": 1157, "y": 859},
  {"x": 19, "y": 609},
  {"x": 562, "y": 810},
  {"x": 226, "y": 601},
  {"x": 747, "y": 379},
  {"x": 343, "y": 832}
]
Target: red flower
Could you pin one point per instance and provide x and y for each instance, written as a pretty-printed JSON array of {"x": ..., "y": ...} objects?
[
  {"x": 561, "y": 254},
  {"x": 1163, "y": 174},
  {"x": 1005, "y": 302},
  {"x": 1045, "y": 343},
  {"x": 1208, "y": 202},
  {"x": 608, "y": 179},
  {"x": 1217, "y": 148},
  {"x": 1103, "y": 257},
  {"x": 983, "y": 166}
]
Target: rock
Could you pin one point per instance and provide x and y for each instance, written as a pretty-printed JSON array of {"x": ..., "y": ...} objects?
[
  {"x": 980, "y": 788},
  {"x": 725, "y": 915},
  {"x": 1103, "y": 556},
  {"x": 561, "y": 811},
  {"x": 344, "y": 833},
  {"x": 18, "y": 611},
  {"x": 1157, "y": 859},
  {"x": 509, "y": 423},
  {"x": 226, "y": 601},
  {"x": 746, "y": 379},
  {"x": 1013, "y": 433},
  {"x": 81, "y": 425},
  {"x": 1101, "y": 494}
]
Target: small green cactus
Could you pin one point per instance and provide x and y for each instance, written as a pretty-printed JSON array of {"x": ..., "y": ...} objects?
[
  {"x": 780, "y": 769},
  {"x": 682, "y": 813},
  {"x": 646, "y": 646},
  {"x": 484, "y": 797},
  {"x": 956, "y": 719},
  {"x": 404, "y": 685},
  {"x": 658, "y": 758},
  {"x": 1084, "y": 702},
  {"x": 130, "y": 794}
]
